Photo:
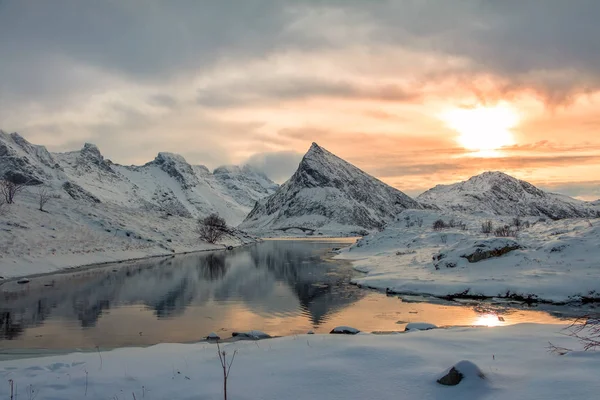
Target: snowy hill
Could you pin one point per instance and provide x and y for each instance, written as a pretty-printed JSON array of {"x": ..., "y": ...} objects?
[
  {"x": 541, "y": 260},
  {"x": 497, "y": 193},
  {"x": 328, "y": 194},
  {"x": 168, "y": 184}
]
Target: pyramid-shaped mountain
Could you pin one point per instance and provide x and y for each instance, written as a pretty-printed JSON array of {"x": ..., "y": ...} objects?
[
  {"x": 500, "y": 194},
  {"x": 328, "y": 193}
]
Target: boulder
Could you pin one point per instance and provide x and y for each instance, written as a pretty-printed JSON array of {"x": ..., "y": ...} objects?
[
  {"x": 485, "y": 249},
  {"x": 255, "y": 335},
  {"x": 419, "y": 326},
  {"x": 344, "y": 330},
  {"x": 463, "y": 370}
]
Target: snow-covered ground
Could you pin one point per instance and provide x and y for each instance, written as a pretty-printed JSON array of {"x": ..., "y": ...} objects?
[
  {"x": 76, "y": 233},
  {"x": 555, "y": 260},
  {"x": 514, "y": 360}
]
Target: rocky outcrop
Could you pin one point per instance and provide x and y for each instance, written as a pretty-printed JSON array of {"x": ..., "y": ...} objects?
[{"x": 79, "y": 193}]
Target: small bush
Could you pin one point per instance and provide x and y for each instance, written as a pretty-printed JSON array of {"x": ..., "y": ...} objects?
[
  {"x": 419, "y": 222},
  {"x": 10, "y": 190},
  {"x": 439, "y": 225},
  {"x": 504, "y": 231},
  {"x": 487, "y": 227},
  {"x": 444, "y": 238},
  {"x": 211, "y": 228}
]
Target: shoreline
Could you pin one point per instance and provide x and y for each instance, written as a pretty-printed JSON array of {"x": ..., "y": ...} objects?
[{"x": 84, "y": 267}]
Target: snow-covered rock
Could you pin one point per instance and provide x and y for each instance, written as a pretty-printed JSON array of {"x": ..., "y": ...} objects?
[
  {"x": 254, "y": 334},
  {"x": 344, "y": 330},
  {"x": 497, "y": 193},
  {"x": 419, "y": 326},
  {"x": 326, "y": 191},
  {"x": 466, "y": 370}
]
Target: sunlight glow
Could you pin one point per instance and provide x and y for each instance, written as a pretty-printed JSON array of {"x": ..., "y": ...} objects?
[
  {"x": 483, "y": 128},
  {"x": 488, "y": 320}
]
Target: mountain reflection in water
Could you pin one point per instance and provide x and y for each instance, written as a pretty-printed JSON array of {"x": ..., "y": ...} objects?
[{"x": 281, "y": 287}]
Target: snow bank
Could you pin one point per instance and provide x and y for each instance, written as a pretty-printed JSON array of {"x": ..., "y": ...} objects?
[
  {"x": 551, "y": 260},
  {"x": 75, "y": 233},
  {"x": 514, "y": 359}
]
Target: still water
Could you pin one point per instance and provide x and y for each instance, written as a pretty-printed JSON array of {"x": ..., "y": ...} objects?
[{"x": 281, "y": 287}]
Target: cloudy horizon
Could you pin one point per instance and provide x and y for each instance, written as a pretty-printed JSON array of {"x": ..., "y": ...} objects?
[{"x": 413, "y": 92}]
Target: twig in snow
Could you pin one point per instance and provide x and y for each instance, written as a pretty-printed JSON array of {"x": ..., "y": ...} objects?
[
  {"x": 226, "y": 367},
  {"x": 99, "y": 355}
]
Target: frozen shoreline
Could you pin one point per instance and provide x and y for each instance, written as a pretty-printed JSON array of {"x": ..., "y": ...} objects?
[{"x": 514, "y": 359}]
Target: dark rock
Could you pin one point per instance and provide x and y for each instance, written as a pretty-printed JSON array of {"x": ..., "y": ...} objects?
[
  {"x": 452, "y": 378},
  {"x": 78, "y": 193},
  {"x": 491, "y": 249},
  {"x": 463, "y": 370},
  {"x": 344, "y": 330}
]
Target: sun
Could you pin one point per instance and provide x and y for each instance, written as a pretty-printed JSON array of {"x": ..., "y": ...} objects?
[
  {"x": 483, "y": 128},
  {"x": 488, "y": 320}
]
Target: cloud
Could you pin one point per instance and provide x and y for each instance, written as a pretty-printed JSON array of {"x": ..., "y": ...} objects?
[
  {"x": 259, "y": 80},
  {"x": 279, "y": 166}
]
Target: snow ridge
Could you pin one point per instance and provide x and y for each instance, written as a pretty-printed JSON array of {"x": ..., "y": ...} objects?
[
  {"x": 326, "y": 191},
  {"x": 497, "y": 193},
  {"x": 168, "y": 184}
]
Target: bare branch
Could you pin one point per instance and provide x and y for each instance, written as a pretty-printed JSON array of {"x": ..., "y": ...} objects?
[{"x": 9, "y": 189}]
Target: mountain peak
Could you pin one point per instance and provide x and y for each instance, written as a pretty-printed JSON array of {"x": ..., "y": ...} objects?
[
  {"x": 327, "y": 190},
  {"x": 498, "y": 193},
  {"x": 91, "y": 149}
]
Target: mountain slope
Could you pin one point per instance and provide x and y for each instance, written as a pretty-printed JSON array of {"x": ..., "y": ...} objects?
[
  {"x": 326, "y": 191},
  {"x": 500, "y": 194},
  {"x": 167, "y": 185}
]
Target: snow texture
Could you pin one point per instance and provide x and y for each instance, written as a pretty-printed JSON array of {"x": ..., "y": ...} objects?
[
  {"x": 500, "y": 194},
  {"x": 553, "y": 261},
  {"x": 167, "y": 185},
  {"x": 515, "y": 360},
  {"x": 73, "y": 233},
  {"x": 328, "y": 194}
]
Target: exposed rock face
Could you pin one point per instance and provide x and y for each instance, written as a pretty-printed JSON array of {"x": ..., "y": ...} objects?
[
  {"x": 79, "y": 193},
  {"x": 176, "y": 166},
  {"x": 21, "y": 162},
  {"x": 328, "y": 190},
  {"x": 484, "y": 250},
  {"x": 476, "y": 252},
  {"x": 500, "y": 194}
]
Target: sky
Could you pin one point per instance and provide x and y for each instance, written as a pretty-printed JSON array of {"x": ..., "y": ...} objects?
[{"x": 414, "y": 92}]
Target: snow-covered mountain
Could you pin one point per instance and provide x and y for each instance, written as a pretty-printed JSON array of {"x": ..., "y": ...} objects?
[
  {"x": 168, "y": 184},
  {"x": 500, "y": 194},
  {"x": 328, "y": 193}
]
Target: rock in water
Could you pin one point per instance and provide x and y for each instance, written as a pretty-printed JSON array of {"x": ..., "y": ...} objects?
[
  {"x": 213, "y": 336},
  {"x": 251, "y": 335},
  {"x": 344, "y": 330},
  {"x": 462, "y": 370},
  {"x": 419, "y": 326}
]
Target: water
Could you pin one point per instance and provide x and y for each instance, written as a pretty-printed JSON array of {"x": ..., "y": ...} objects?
[{"x": 280, "y": 287}]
